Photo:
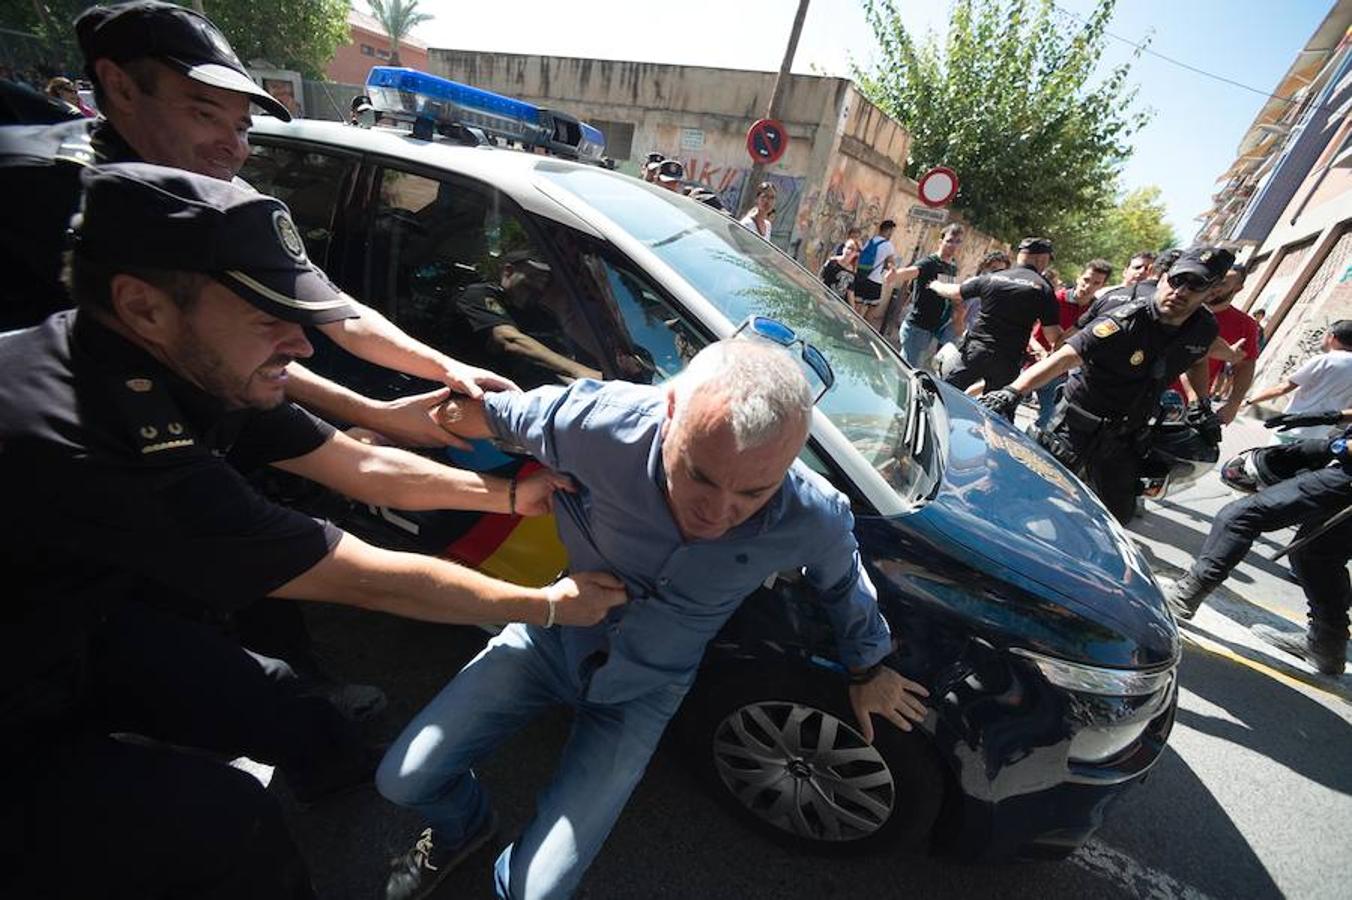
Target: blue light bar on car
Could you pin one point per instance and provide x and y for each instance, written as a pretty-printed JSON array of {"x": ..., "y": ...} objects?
[{"x": 409, "y": 95}]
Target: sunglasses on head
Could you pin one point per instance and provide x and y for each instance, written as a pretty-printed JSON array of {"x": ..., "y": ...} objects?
[
  {"x": 1186, "y": 281},
  {"x": 815, "y": 367}
]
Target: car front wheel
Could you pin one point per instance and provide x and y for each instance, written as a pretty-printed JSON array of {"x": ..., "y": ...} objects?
[{"x": 780, "y": 745}]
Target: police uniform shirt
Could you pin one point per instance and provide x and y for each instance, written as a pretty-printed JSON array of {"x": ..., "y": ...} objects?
[
  {"x": 484, "y": 307},
  {"x": 40, "y": 169},
  {"x": 1011, "y": 301},
  {"x": 1114, "y": 297},
  {"x": 927, "y": 307},
  {"x": 1129, "y": 355},
  {"x": 123, "y": 481}
]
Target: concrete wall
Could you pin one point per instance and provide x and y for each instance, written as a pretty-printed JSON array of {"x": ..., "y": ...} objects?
[{"x": 1306, "y": 280}]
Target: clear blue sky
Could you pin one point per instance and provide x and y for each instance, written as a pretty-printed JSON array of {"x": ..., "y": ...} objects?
[{"x": 1191, "y": 139}]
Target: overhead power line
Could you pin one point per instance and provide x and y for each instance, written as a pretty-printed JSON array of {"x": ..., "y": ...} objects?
[{"x": 1140, "y": 46}]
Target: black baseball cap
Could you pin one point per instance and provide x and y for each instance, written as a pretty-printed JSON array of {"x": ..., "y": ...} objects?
[
  {"x": 182, "y": 39},
  {"x": 154, "y": 217},
  {"x": 1208, "y": 263},
  {"x": 670, "y": 170},
  {"x": 1036, "y": 245}
]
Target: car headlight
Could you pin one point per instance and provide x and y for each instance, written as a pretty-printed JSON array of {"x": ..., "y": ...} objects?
[
  {"x": 1097, "y": 743},
  {"x": 1098, "y": 679}
]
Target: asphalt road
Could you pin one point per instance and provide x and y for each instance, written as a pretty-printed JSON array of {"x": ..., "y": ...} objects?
[{"x": 1251, "y": 799}]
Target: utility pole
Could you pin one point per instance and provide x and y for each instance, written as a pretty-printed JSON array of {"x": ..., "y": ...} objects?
[{"x": 776, "y": 96}]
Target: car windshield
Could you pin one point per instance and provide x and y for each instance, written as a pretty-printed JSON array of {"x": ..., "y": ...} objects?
[{"x": 740, "y": 274}]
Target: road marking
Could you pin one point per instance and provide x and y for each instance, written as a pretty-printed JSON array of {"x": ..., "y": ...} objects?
[
  {"x": 1137, "y": 879},
  {"x": 1290, "y": 679}
]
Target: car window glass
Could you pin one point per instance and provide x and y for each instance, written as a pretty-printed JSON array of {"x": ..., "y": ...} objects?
[
  {"x": 307, "y": 181},
  {"x": 739, "y": 274},
  {"x": 639, "y": 336},
  {"x": 454, "y": 265}
]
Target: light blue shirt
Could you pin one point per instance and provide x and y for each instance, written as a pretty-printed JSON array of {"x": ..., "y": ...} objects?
[{"x": 607, "y": 436}]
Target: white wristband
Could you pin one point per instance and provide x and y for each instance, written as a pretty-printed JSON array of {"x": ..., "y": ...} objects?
[{"x": 549, "y": 620}]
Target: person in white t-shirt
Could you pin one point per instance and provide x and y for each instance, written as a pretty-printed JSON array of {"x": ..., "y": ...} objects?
[
  {"x": 758, "y": 217},
  {"x": 1322, "y": 382}
]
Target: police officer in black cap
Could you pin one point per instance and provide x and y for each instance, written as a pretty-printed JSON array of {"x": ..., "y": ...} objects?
[
  {"x": 1121, "y": 362},
  {"x": 1011, "y": 301},
  {"x": 125, "y": 428},
  {"x": 174, "y": 93}
]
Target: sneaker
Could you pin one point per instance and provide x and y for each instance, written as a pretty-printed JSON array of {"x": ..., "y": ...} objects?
[
  {"x": 1328, "y": 659},
  {"x": 1184, "y": 596},
  {"x": 418, "y": 872}
]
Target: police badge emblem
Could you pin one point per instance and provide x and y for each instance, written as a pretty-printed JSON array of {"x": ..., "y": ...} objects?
[
  {"x": 1137, "y": 358},
  {"x": 287, "y": 234}
]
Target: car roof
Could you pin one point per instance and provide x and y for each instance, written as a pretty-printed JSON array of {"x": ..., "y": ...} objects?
[{"x": 509, "y": 170}]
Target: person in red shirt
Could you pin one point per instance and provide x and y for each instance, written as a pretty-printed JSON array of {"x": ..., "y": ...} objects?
[
  {"x": 1235, "y": 325},
  {"x": 1071, "y": 303}
]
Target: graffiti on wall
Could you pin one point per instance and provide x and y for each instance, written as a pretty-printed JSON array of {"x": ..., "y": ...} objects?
[
  {"x": 828, "y": 214},
  {"x": 729, "y": 183}
]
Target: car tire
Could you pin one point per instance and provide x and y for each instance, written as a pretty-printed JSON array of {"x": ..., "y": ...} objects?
[{"x": 779, "y": 746}]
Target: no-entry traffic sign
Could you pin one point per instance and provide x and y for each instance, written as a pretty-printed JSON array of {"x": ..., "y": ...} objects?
[
  {"x": 938, "y": 187},
  {"x": 766, "y": 141}
]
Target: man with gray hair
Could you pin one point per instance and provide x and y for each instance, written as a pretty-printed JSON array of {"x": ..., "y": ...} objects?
[{"x": 690, "y": 493}]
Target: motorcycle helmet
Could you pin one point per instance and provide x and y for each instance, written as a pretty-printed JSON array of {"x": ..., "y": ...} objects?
[{"x": 1248, "y": 472}]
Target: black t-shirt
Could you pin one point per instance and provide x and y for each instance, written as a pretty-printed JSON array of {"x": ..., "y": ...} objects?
[
  {"x": 928, "y": 308},
  {"x": 123, "y": 482},
  {"x": 1129, "y": 356},
  {"x": 1011, "y": 301}
]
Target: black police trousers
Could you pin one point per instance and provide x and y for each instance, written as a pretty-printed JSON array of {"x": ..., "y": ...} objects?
[
  {"x": 104, "y": 817},
  {"x": 979, "y": 361},
  {"x": 1105, "y": 458},
  {"x": 1308, "y": 500}
]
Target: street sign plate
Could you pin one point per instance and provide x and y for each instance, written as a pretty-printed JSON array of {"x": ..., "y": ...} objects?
[
  {"x": 925, "y": 214},
  {"x": 766, "y": 141}
]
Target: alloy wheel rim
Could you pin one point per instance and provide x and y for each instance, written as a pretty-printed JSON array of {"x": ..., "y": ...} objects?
[{"x": 804, "y": 771}]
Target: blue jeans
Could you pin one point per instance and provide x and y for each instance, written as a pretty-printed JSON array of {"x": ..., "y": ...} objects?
[
  {"x": 520, "y": 673},
  {"x": 1046, "y": 400},
  {"x": 917, "y": 345}
]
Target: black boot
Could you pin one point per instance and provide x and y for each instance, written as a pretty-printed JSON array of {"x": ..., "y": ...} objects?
[
  {"x": 1324, "y": 650},
  {"x": 1185, "y": 595}
]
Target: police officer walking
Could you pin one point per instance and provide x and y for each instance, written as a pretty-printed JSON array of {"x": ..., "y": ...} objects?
[
  {"x": 1121, "y": 362},
  {"x": 1316, "y": 486},
  {"x": 125, "y": 426},
  {"x": 1011, "y": 301}
]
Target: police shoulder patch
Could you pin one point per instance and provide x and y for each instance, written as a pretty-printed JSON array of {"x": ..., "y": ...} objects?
[{"x": 1105, "y": 328}]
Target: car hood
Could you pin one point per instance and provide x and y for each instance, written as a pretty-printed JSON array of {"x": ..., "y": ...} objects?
[{"x": 1021, "y": 517}]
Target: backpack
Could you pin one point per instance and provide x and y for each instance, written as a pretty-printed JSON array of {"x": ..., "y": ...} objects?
[{"x": 868, "y": 257}]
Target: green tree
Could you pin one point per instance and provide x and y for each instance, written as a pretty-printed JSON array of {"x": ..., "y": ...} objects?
[
  {"x": 1006, "y": 101},
  {"x": 1137, "y": 222},
  {"x": 398, "y": 19},
  {"x": 297, "y": 34}
]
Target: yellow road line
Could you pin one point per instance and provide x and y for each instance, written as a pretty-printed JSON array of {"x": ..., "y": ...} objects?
[{"x": 1290, "y": 679}]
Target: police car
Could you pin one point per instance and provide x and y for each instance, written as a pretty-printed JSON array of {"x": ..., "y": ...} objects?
[{"x": 1030, "y": 616}]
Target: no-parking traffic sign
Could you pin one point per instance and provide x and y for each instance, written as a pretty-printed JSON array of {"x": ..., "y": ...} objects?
[{"x": 766, "y": 141}]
